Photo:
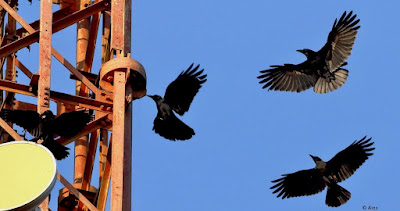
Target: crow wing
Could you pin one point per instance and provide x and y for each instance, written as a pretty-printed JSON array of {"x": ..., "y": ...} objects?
[
  {"x": 347, "y": 161},
  {"x": 29, "y": 120},
  {"x": 172, "y": 128},
  {"x": 70, "y": 123},
  {"x": 326, "y": 84},
  {"x": 301, "y": 183},
  {"x": 180, "y": 93},
  {"x": 289, "y": 77},
  {"x": 59, "y": 151},
  {"x": 341, "y": 40}
]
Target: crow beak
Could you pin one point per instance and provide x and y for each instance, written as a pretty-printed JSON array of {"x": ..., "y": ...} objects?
[
  {"x": 312, "y": 157},
  {"x": 151, "y": 96},
  {"x": 301, "y": 51}
]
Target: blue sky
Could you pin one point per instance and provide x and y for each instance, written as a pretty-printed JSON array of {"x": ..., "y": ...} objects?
[{"x": 246, "y": 136}]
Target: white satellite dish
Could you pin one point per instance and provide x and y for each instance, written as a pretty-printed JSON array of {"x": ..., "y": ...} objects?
[{"x": 28, "y": 174}]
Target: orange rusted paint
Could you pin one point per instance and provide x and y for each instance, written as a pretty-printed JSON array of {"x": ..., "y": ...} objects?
[
  {"x": 106, "y": 54},
  {"x": 19, "y": 105},
  {"x": 74, "y": 191},
  {"x": 62, "y": 23},
  {"x": 94, "y": 26},
  {"x": 81, "y": 144},
  {"x": 35, "y": 25},
  {"x": 135, "y": 72},
  {"x": 121, "y": 25},
  {"x": 23, "y": 68},
  {"x": 97, "y": 124},
  {"x": 94, "y": 136},
  {"x": 10, "y": 67},
  {"x": 46, "y": 15},
  {"x": 14, "y": 14},
  {"x": 9, "y": 130},
  {"x": 119, "y": 89},
  {"x": 103, "y": 152},
  {"x": 121, "y": 172},
  {"x": 105, "y": 178},
  {"x": 44, "y": 206},
  {"x": 58, "y": 96},
  {"x": 74, "y": 71}
]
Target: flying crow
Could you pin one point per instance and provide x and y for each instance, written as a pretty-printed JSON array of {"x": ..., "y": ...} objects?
[
  {"x": 178, "y": 97},
  {"x": 44, "y": 126},
  {"x": 313, "y": 181},
  {"x": 322, "y": 69}
]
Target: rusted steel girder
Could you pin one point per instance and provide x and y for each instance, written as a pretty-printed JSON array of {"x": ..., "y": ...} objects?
[
  {"x": 94, "y": 136},
  {"x": 123, "y": 83},
  {"x": 75, "y": 72},
  {"x": 103, "y": 152},
  {"x": 46, "y": 17},
  {"x": 104, "y": 182},
  {"x": 81, "y": 144},
  {"x": 94, "y": 28},
  {"x": 43, "y": 91},
  {"x": 120, "y": 75},
  {"x": 10, "y": 130},
  {"x": 121, "y": 172},
  {"x": 54, "y": 52},
  {"x": 35, "y": 25},
  {"x": 87, "y": 175},
  {"x": 11, "y": 72},
  {"x": 19, "y": 105},
  {"x": 57, "y": 26},
  {"x": 74, "y": 191},
  {"x": 105, "y": 145},
  {"x": 103, "y": 122},
  {"x": 121, "y": 25},
  {"x": 84, "y": 102},
  {"x": 106, "y": 54},
  {"x": 23, "y": 68}
]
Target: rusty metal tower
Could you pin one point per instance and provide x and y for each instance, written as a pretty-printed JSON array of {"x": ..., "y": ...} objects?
[{"x": 109, "y": 93}]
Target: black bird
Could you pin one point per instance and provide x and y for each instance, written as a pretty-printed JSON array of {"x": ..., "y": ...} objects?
[
  {"x": 313, "y": 181},
  {"x": 178, "y": 97},
  {"x": 322, "y": 69},
  {"x": 44, "y": 126}
]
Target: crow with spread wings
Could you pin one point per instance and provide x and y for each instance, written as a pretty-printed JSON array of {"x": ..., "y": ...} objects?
[
  {"x": 322, "y": 69},
  {"x": 326, "y": 174},
  {"x": 44, "y": 126},
  {"x": 178, "y": 97}
]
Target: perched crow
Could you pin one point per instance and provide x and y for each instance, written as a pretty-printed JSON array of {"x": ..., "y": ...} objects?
[
  {"x": 322, "y": 70},
  {"x": 44, "y": 126},
  {"x": 178, "y": 97},
  {"x": 339, "y": 168}
]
